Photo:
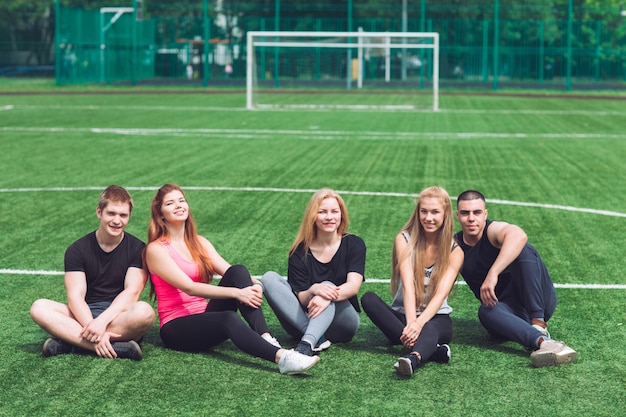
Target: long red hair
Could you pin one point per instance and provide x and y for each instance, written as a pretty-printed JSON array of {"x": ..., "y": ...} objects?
[{"x": 158, "y": 231}]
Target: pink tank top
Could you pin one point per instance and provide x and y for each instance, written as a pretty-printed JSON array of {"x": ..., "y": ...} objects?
[{"x": 173, "y": 303}]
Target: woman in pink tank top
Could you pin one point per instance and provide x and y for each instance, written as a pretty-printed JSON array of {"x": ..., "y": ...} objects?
[{"x": 181, "y": 265}]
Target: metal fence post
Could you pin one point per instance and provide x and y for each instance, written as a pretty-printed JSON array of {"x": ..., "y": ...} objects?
[
  {"x": 496, "y": 41},
  {"x": 570, "y": 13},
  {"x": 207, "y": 39},
  {"x": 57, "y": 38}
]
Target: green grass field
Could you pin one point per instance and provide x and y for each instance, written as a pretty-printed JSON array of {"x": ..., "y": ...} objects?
[{"x": 553, "y": 165}]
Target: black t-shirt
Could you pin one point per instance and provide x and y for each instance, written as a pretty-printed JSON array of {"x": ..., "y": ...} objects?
[
  {"x": 305, "y": 270},
  {"x": 105, "y": 271}
]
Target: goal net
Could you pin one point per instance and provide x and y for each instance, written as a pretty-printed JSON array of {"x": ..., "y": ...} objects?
[{"x": 368, "y": 70}]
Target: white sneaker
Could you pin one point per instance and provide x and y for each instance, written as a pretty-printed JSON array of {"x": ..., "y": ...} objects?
[
  {"x": 271, "y": 340},
  {"x": 322, "y": 346},
  {"x": 552, "y": 353},
  {"x": 405, "y": 367},
  {"x": 293, "y": 362}
]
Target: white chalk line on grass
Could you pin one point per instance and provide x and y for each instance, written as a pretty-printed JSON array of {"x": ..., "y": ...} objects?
[
  {"x": 357, "y": 108},
  {"x": 310, "y": 134},
  {"x": 367, "y": 280},
  {"x": 310, "y": 191}
]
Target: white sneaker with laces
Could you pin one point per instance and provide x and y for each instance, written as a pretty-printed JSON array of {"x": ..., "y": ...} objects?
[
  {"x": 552, "y": 353},
  {"x": 271, "y": 340},
  {"x": 293, "y": 362}
]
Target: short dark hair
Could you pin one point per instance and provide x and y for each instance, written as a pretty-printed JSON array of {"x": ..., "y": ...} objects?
[
  {"x": 469, "y": 195},
  {"x": 116, "y": 194}
]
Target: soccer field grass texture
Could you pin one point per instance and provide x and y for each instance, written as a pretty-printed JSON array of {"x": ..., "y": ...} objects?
[{"x": 553, "y": 166}]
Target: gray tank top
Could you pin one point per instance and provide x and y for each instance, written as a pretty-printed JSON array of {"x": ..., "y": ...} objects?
[{"x": 398, "y": 300}]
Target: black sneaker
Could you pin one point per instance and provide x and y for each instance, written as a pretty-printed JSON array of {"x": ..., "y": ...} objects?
[
  {"x": 304, "y": 348},
  {"x": 442, "y": 354},
  {"x": 53, "y": 346},
  {"x": 128, "y": 350},
  {"x": 406, "y": 365}
]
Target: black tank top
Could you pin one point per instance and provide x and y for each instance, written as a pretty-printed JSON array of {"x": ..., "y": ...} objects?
[{"x": 478, "y": 261}]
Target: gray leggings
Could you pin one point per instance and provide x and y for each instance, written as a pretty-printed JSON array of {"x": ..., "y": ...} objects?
[{"x": 339, "y": 322}]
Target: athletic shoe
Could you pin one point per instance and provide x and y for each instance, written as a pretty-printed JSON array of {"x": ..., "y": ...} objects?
[
  {"x": 541, "y": 326},
  {"x": 128, "y": 350},
  {"x": 406, "y": 365},
  {"x": 304, "y": 348},
  {"x": 544, "y": 330},
  {"x": 292, "y": 362},
  {"x": 271, "y": 340},
  {"x": 552, "y": 353},
  {"x": 442, "y": 354},
  {"x": 53, "y": 346},
  {"x": 322, "y": 344}
]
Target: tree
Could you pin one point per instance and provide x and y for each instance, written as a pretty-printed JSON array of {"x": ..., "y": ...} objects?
[{"x": 28, "y": 26}]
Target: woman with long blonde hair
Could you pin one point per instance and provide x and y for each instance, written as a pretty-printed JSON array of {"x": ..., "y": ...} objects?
[
  {"x": 425, "y": 263},
  {"x": 318, "y": 304},
  {"x": 181, "y": 265}
]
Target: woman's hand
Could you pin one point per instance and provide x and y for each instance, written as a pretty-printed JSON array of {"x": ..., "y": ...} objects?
[
  {"x": 327, "y": 291},
  {"x": 251, "y": 296},
  {"x": 317, "y": 305},
  {"x": 410, "y": 334}
]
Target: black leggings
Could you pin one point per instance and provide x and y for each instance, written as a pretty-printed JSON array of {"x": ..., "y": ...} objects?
[
  {"x": 220, "y": 321},
  {"x": 437, "y": 330}
]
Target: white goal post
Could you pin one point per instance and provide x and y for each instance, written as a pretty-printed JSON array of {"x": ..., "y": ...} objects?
[
  {"x": 104, "y": 27},
  {"x": 275, "y": 58}
]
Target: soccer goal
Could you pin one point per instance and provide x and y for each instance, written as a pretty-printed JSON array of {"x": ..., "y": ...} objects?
[
  {"x": 359, "y": 70},
  {"x": 104, "y": 27}
]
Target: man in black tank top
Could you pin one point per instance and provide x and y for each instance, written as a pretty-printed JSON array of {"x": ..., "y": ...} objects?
[{"x": 507, "y": 275}]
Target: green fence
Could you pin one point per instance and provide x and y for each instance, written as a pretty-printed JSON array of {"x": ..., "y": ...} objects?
[
  {"x": 105, "y": 45},
  {"x": 486, "y": 46}
]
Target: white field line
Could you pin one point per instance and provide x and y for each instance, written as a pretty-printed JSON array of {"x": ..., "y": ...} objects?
[
  {"x": 8, "y": 107},
  {"x": 367, "y": 280},
  {"x": 312, "y": 134},
  {"x": 592, "y": 113},
  {"x": 311, "y": 191}
]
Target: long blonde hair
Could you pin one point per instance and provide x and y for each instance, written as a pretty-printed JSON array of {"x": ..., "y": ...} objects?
[
  {"x": 308, "y": 231},
  {"x": 158, "y": 231},
  {"x": 417, "y": 246}
]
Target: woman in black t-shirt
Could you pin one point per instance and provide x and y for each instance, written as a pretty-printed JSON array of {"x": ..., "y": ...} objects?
[{"x": 318, "y": 304}]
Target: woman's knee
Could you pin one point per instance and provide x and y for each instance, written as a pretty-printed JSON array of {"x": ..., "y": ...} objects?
[
  {"x": 237, "y": 276},
  {"x": 271, "y": 279},
  {"x": 275, "y": 286},
  {"x": 368, "y": 299},
  {"x": 238, "y": 270}
]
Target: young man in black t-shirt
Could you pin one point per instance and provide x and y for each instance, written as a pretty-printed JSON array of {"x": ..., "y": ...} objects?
[{"x": 103, "y": 280}]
